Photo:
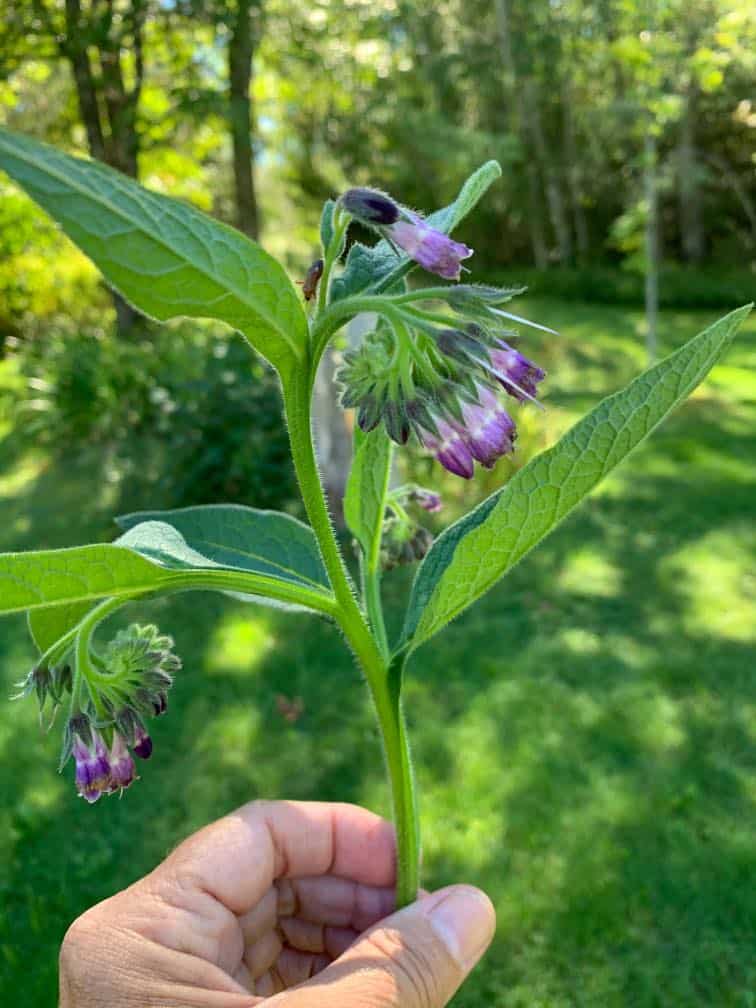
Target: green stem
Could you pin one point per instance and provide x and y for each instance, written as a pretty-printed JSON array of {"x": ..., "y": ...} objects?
[{"x": 383, "y": 683}]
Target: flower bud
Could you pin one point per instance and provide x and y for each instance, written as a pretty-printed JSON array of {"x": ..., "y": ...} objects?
[
  {"x": 370, "y": 206},
  {"x": 428, "y": 500},
  {"x": 142, "y": 743}
]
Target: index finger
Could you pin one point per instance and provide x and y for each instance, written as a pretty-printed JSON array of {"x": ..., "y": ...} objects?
[{"x": 237, "y": 858}]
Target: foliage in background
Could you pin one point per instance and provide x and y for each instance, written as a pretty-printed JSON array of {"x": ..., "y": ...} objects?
[{"x": 206, "y": 414}]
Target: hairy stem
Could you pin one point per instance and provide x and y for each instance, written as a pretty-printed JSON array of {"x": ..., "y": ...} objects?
[{"x": 382, "y": 679}]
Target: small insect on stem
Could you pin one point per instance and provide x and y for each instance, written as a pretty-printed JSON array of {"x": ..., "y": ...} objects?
[{"x": 310, "y": 283}]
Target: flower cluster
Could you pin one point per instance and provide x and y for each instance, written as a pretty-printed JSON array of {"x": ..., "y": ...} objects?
[
  {"x": 442, "y": 382},
  {"x": 129, "y": 685},
  {"x": 438, "y": 376}
]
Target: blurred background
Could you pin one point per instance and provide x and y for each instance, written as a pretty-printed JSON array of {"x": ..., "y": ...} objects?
[{"x": 586, "y": 737}]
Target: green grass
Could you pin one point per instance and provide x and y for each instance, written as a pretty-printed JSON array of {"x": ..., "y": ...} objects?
[{"x": 585, "y": 737}]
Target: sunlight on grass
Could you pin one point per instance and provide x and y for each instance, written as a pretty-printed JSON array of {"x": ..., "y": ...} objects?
[
  {"x": 239, "y": 643},
  {"x": 230, "y": 738},
  {"x": 653, "y": 718},
  {"x": 588, "y": 572},
  {"x": 716, "y": 578}
]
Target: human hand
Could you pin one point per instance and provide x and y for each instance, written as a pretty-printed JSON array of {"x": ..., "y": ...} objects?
[{"x": 277, "y": 903}]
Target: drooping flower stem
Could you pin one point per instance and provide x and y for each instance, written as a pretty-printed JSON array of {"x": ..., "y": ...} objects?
[{"x": 383, "y": 678}]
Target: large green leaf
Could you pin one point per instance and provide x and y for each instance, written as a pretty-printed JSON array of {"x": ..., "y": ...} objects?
[
  {"x": 244, "y": 538},
  {"x": 37, "y": 579},
  {"x": 475, "y": 552},
  {"x": 150, "y": 558},
  {"x": 164, "y": 256},
  {"x": 378, "y": 267},
  {"x": 364, "y": 500}
]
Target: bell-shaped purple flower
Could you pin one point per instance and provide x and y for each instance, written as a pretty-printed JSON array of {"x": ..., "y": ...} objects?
[
  {"x": 518, "y": 375},
  {"x": 92, "y": 767},
  {"x": 489, "y": 428},
  {"x": 450, "y": 448},
  {"x": 122, "y": 771},
  {"x": 432, "y": 249}
]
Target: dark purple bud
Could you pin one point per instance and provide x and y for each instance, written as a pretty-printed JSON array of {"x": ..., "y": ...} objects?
[
  {"x": 122, "y": 771},
  {"x": 142, "y": 743},
  {"x": 397, "y": 424},
  {"x": 518, "y": 375},
  {"x": 160, "y": 704},
  {"x": 370, "y": 206},
  {"x": 432, "y": 249},
  {"x": 369, "y": 414},
  {"x": 92, "y": 766}
]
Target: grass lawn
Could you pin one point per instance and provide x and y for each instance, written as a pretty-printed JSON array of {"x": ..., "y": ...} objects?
[{"x": 585, "y": 737}]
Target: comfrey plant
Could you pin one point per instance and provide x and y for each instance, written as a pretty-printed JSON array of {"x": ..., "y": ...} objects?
[{"x": 441, "y": 365}]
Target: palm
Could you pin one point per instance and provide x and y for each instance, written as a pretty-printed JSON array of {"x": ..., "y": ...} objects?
[{"x": 299, "y": 927}]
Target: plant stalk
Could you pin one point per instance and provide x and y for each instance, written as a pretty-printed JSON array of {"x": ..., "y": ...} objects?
[{"x": 384, "y": 679}]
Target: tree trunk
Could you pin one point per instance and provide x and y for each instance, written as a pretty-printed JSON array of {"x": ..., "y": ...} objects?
[
  {"x": 240, "y": 53},
  {"x": 688, "y": 188},
  {"x": 517, "y": 117},
  {"x": 554, "y": 198},
  {"x": 74, "y": 48},
  {"x": 730, "y": 178},
  {"x": 118, "y": 145},
  {"x": 651, "y": 240},
  {"x": 574, "y": 175}
]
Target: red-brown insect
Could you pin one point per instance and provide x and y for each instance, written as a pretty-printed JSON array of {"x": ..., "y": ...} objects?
[{"x": 310, "y": 282}]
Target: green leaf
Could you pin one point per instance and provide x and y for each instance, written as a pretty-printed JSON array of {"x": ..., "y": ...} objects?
[
  {"x": 164, "y": 256},
  {"x": 471, "y": 555},
  {"x": 40, "y": 579},
  {"x": 240, "y": 538},
  {"x": 379, "y": 268},
  {"x": 364, "y": 500},
  {"x": 150, "y": 558},
  {"x": 47, "y": 626}
]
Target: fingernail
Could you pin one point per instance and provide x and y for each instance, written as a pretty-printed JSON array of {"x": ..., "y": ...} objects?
[{"x": 464, "y": 919}]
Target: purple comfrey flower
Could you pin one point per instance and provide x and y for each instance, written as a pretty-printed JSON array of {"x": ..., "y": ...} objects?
[
  {"x": 489, "y": 428},
  {"x": 450, "y": 448},
  {"x": 518, "y": 375},
  {"x": 432, "y": 249},
  {"x": 122, "y": 772},
  {"x": 92, "y": 767}
]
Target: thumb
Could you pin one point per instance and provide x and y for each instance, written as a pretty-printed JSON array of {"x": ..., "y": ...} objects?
[{"x": 416, "y": 958}]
